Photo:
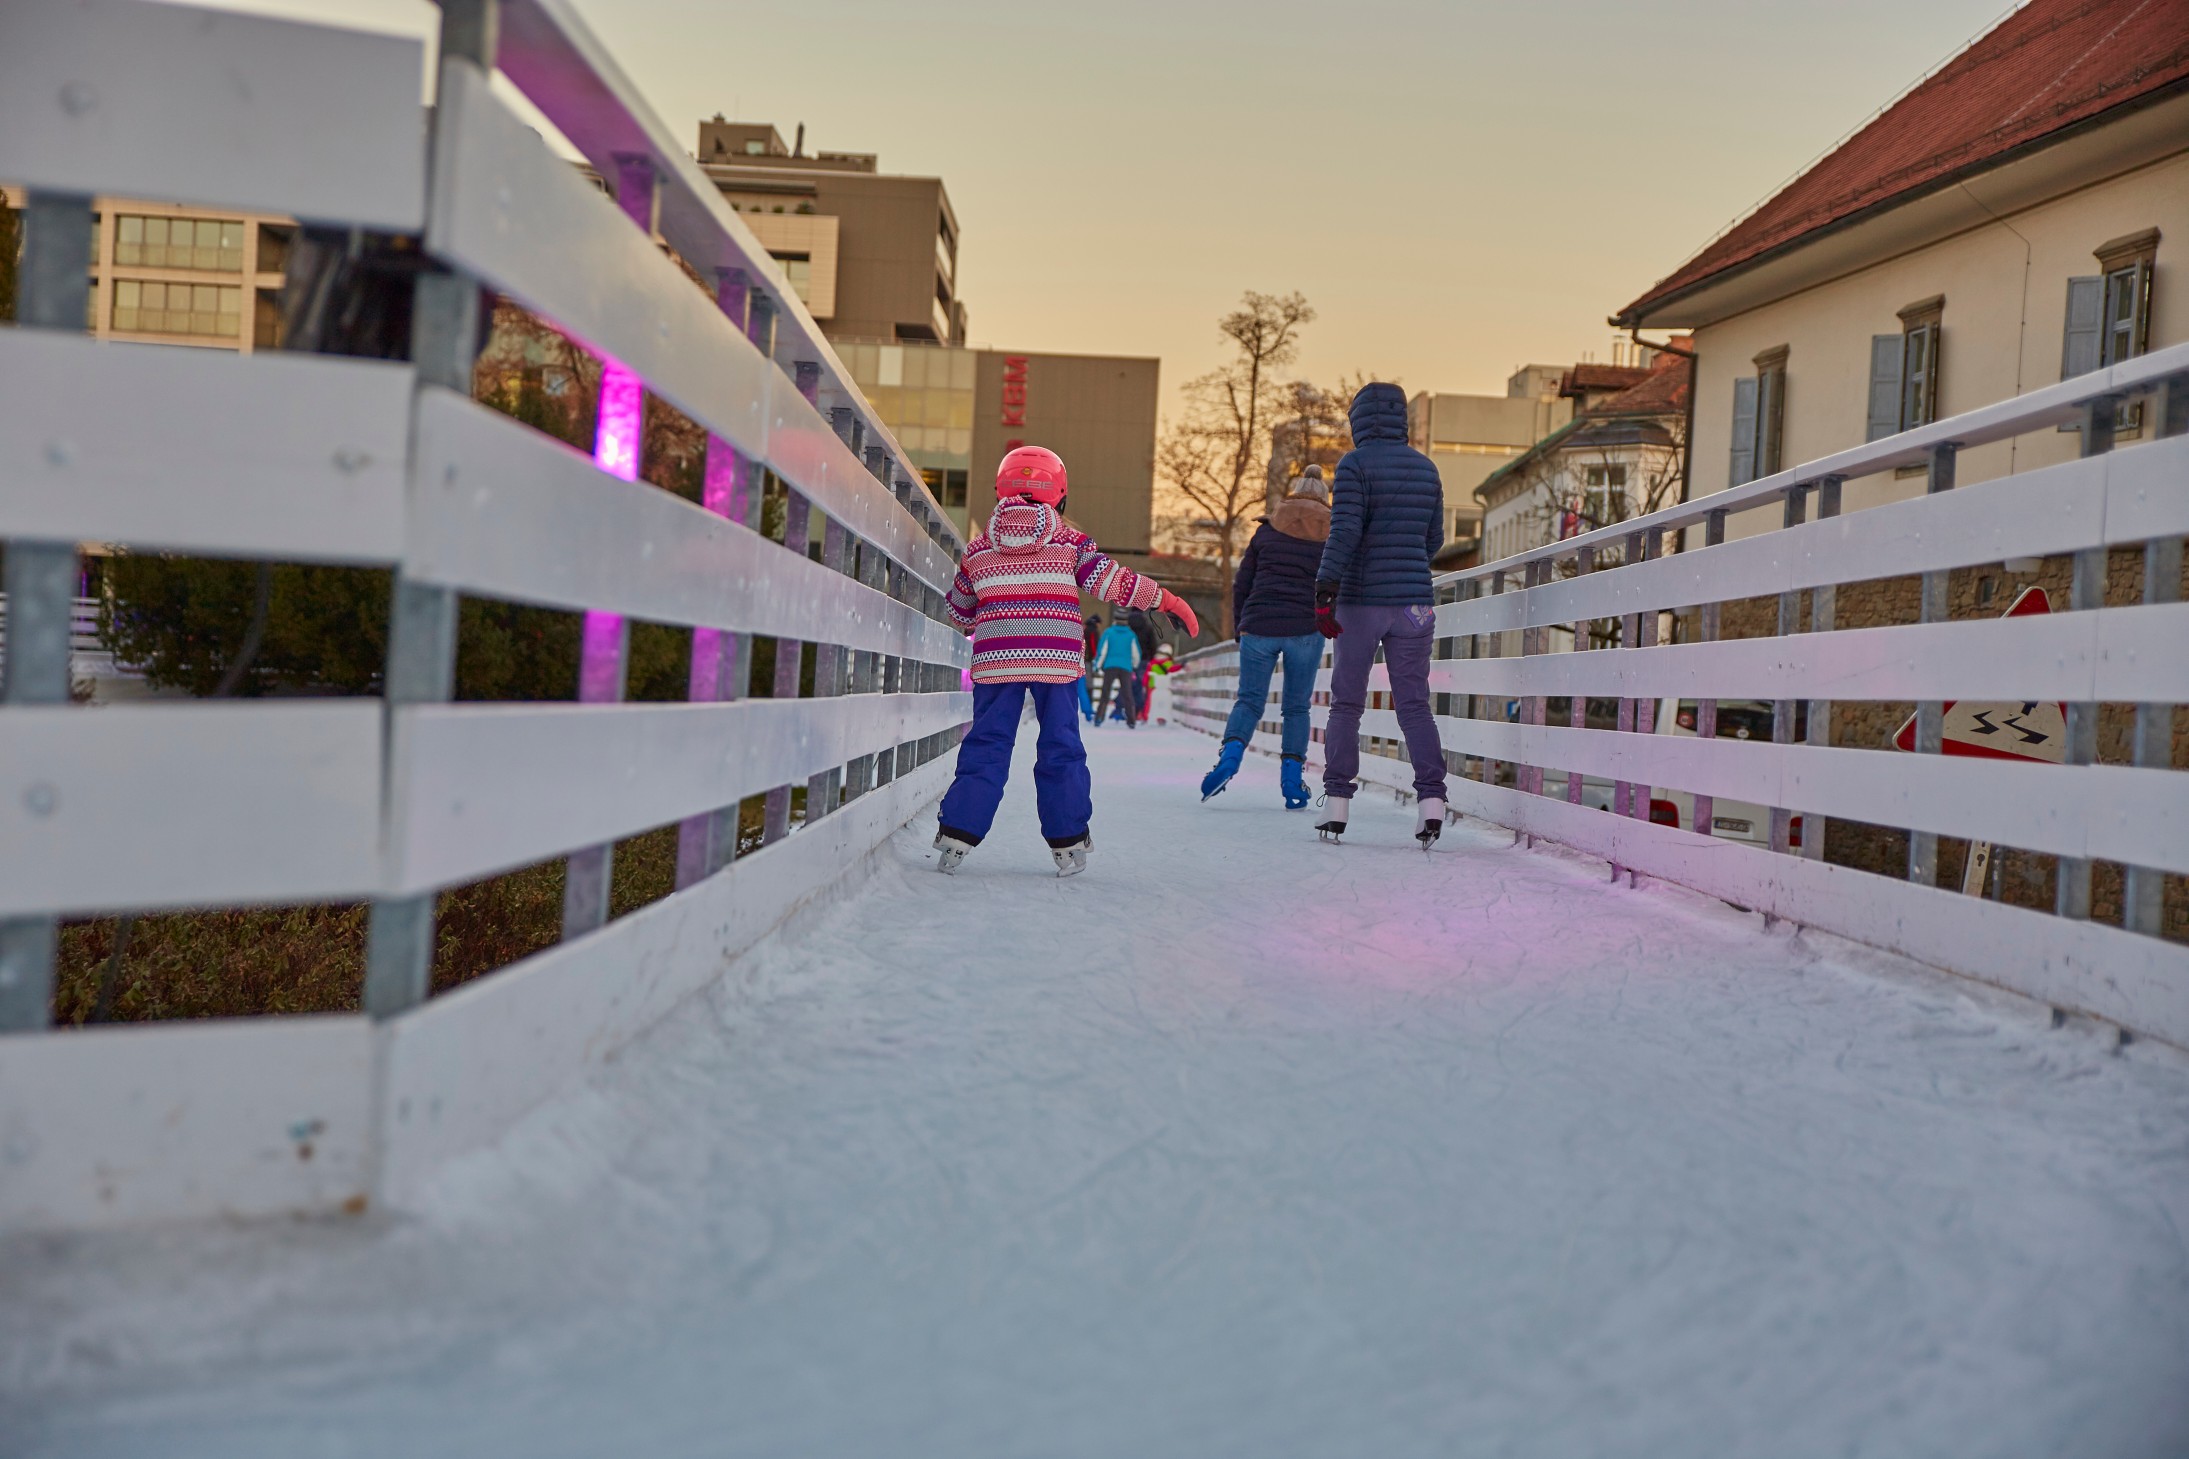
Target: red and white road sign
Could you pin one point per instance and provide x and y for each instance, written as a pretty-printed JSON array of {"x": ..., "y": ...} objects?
[{"x": 2033, "y": 730}]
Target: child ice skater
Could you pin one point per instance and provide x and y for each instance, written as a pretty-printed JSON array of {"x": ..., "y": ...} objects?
[{"x": 1017, "y": 592}]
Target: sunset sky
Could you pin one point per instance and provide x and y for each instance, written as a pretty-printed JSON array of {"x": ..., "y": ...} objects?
[{"x": 1459, "y": 188}]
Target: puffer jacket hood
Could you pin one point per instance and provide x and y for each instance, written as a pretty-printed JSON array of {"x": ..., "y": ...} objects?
[
  {"x": 1302, "y": 517},
  {"x": 1022, "y": 525},
  {"x": 1378, "y": 413}
]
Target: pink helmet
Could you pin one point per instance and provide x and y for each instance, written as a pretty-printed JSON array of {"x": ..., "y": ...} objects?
[{"x": 1031, "y": 471}]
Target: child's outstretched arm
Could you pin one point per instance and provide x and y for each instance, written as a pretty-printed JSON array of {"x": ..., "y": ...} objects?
[
  {"x": 961, "y": 602},
  {"x": 1104, "y": 577}
]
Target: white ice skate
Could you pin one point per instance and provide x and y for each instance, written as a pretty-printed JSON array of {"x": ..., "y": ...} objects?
[
  {"x": 1072, "y": 860},
  {"x": 949, "y": 852},
  {"x": 1332, "y": 825},
  {"x": 1431, "y": 823}
]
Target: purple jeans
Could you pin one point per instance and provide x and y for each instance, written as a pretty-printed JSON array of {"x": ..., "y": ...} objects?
[{"x": 1405, "y": 635}]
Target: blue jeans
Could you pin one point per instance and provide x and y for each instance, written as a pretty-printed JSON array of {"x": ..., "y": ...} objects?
[
  {"x": 1405, "y": 636},
  {"x": 1258, "y": 655},
  {"x": 1062, "y": 791}
]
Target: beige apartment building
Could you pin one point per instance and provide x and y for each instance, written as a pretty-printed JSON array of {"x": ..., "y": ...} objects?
[
  {"x": 2015, "y": 219},
  {"x": 1470, "y": 437},
  {"x": 162, "y": 274}
]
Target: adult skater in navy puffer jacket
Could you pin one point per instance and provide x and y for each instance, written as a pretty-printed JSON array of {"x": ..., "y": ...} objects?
[{"x": 1372, "y": 590}]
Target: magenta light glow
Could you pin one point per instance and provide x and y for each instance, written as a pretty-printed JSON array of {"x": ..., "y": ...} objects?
[
  {"x": 615, "y": 451},
  {"x": 622, "y": 421}
]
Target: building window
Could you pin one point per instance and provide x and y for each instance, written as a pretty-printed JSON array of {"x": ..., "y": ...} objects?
[
  {"x": 1605, "y": 499},
  {"x": 273, "y": 247},
  {"x": 2109, "y": 313},
  {"x": 148, "y": 306},
  {"x": 209, "y": 245},
  {"x": 266, "y": 320},
  {"x": 1919, "y": 362},
  {"x": 797, "y": 272},
  {"x": 1904, "y": 371},
  {"x": 1759, "y": 419}
]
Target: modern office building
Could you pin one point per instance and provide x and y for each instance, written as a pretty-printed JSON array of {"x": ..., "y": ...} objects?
[
  {"x": 162, "y": 274},
  {"x": 875, "y": 258}
]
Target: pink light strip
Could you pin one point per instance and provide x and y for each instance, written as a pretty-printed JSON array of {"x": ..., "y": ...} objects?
[{"x": 616, "y": 442}]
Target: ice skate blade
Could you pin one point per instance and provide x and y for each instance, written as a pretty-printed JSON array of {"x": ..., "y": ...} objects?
[
  {"x": 1070, "y": 863},
  {"x": 1331, "y": 831}
]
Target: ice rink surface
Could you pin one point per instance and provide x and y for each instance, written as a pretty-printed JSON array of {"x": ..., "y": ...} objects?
[{"x": 1236, "y": 1145}]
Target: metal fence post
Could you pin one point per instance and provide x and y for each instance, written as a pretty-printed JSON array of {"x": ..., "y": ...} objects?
[
  {"x": 1532, "y": 643},
  {"x": 1782, "y": 710},
  {"x": 2143, "y": 895},
  {"x": 1706, "y": 710},
  {"x": 53, "y": 292},
  {"x": 2071, "y": 895},
  {"x": 1930, "y": 714},
  {"x": 1823, "y": 606},
  {"x": 1630, "y": 633},
  {"x": 422, "y": 618},
  {"x": 1490, "y": 771},
  {"x": 605, "y": 650},
  {"x": 708, "y": 842},
  {"x": 1577, "y": 705}
]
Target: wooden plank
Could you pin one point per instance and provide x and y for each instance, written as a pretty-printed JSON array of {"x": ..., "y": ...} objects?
[
  {"x": 2052, "y": 510},
  {"x": 174, "y": 805},
  {"x": 482, "y": 788},
  {"x": 210, "y": 107},
  {"x": 296, "y": 457},
  {"x": 2112, "y": 654},
  {"x": 508, "y": 512},
  {"x": 199, "y": 1120},
  {"x": 463, "y": 1068},
  {"x": 2115, "y": 812}
]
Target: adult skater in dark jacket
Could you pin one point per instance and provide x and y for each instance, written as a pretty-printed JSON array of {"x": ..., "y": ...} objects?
[
  {"x": 1273, "y": 604},
  {"x": 1372, "y": 591}
]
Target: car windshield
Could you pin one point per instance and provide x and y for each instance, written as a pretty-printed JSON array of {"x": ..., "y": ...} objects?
[{"x": 1744, "y": 719}]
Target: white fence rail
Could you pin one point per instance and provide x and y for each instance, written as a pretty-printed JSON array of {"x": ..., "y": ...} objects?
[
  {"x": 1527, "y": 774},
  {"x": 375, "y": 463}
]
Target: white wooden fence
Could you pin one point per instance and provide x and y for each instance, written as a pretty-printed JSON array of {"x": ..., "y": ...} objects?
[
  {"x": 390, "y": 464},
  {"x": 2136, "y": 815}
]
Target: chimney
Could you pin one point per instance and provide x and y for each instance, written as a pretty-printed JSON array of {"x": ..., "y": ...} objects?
[{"x": 798, "y": 148}]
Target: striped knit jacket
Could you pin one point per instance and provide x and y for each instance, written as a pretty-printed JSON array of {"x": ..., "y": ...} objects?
[{"x": 1018, "y": 591}]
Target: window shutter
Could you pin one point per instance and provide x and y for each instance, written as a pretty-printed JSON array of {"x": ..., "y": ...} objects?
[
  {"x": 1884, "y": 386},
  {"x": 1744, "y": 431},
  {"x": 2079, "y": 345}
]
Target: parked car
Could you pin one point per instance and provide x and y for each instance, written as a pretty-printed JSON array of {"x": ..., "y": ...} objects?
[{"x": 1733, "y": 820}]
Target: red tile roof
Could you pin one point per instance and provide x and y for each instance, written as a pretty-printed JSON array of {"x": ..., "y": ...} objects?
[
  {"x": 2049, "y": 65},
  {"x": 1593, "y": 377},
  {"x": 1663, "y": 393}
]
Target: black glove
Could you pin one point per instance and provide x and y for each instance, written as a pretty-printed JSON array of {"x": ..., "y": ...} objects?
[{"x": 1326, "y": 610}]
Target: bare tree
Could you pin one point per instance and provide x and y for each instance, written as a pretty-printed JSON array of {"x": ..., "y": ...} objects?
[{"x": 1215, "y": 454}]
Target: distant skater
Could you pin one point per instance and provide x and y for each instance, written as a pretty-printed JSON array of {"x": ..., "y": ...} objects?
[
  {"x": 1017, "y": 592},
  {"x": 1372, "y": 591},
  {"x": 1273, "y": 604},
  {"x": 1117, "y": 659}
]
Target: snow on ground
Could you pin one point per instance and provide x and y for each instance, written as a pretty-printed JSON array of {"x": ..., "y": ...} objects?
[{"x": 1237, "y": 1145}]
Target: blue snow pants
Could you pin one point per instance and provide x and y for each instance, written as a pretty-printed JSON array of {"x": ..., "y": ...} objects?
[
  {"x": 1259, "y": 653},
  {"x": 1061, "y": 788}
]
